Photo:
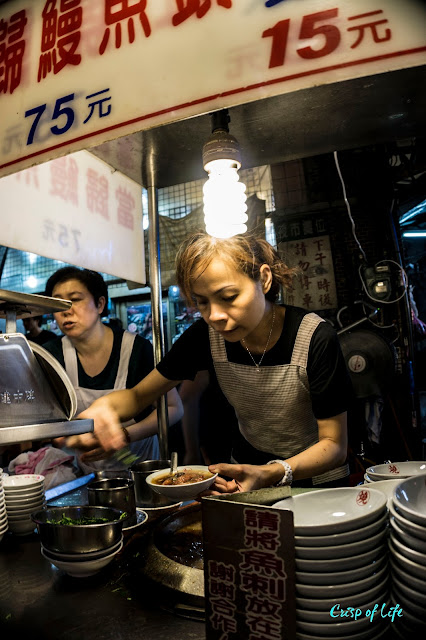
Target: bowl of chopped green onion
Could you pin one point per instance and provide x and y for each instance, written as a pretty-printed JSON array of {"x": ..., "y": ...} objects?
[{"x": 79, "y": 529}]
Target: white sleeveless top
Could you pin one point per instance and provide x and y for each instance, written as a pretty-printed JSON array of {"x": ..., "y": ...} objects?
[
  {"x": 273, "y": 404},
  {"x": 148, "y": 448}
]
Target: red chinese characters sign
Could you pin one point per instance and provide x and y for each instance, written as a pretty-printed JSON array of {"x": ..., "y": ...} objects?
[
  {"x": 249, "y": 571},
  {"x": 76, "y": 73}
]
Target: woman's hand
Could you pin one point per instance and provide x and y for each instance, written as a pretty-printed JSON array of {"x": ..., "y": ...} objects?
[
  {"x": 107, "y": 436},
  {"x": 243, "y": 477}
]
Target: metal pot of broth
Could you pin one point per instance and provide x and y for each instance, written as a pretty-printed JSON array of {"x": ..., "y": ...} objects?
[{"x": 174, "y": 561}]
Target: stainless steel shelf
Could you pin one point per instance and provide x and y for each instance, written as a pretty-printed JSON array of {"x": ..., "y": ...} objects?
[{"x": 44, "y": 431}]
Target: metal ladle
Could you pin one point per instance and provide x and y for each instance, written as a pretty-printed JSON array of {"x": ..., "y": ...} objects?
[{"x": 173, "y": 463}]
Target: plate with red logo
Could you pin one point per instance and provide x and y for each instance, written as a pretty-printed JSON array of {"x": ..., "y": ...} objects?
[
  {"x": 396, "y": 470},
  {"x": 329, "y": 511}
]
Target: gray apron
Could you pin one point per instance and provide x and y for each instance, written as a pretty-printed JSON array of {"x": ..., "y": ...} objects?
[
  {"x": 148, "y": 448},
  {"x": 273, "y": 404}
]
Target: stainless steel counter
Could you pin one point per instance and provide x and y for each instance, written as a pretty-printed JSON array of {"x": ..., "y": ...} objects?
[{"x": 40, "y": 602}]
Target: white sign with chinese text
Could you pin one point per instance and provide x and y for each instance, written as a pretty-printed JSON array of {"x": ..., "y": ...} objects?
[
  {"x": 79, "y": 210},
  {"x": 77, "y": 73},
  {"x": 315, "y": 288}
]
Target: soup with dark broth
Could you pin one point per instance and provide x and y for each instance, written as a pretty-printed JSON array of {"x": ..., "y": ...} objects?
[{"x": 188, "y": 476}]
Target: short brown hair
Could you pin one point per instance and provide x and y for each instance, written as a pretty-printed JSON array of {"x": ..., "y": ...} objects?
[{"x": 247, "y": 253}]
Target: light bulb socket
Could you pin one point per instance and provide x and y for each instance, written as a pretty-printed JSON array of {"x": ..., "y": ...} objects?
[{"x": 221, "y": 145}]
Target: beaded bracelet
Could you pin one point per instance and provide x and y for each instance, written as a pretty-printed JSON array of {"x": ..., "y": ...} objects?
[{"x": 287, "y": 478}]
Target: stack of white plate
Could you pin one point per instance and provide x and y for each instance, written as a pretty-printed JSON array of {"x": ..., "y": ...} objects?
[
  {"x": 341, "y": 562},
  {"x": 24, "y": 494},
  {"x": 407, "y": 544},
  {"x": 82, "y": 565},
  {"x": 394, "y": 470},
  {"x": 3, "y": 514}
]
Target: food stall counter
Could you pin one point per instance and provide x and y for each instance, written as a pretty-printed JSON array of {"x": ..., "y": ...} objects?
[{"x": 41, "y": 602}]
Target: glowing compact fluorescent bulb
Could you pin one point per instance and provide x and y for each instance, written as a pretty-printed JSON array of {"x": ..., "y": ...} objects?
[{"x": 224, "y": 200}]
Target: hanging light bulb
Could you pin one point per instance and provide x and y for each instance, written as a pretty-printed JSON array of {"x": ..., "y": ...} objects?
[{"x": 224, "y": 195}]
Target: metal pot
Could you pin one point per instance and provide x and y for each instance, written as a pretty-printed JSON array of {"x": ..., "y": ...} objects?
[
  {"x": 118, "y": 493},
  {"x": 78, "y": 538},
  {"x": 145, "y": 496}
]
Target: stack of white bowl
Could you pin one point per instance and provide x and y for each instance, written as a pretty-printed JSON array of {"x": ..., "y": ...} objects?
[
  {"x": 394, "y": 471},
  {"x": 341, "y": 562},
  {"x": 407, "y": 545},
  {"x": 24, "y": 494},
  {"x": 3, "y": 514},
  {"x": 82, "y": 565}
]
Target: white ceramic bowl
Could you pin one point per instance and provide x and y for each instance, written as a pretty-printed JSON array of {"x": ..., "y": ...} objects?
[
  {"x": 24, "y": 499},
  {"x": 83, "y": 568},
  {"x": 311, "y": 615},
  {"x": 334, "y": 628},
  {"x": 85, "y": 556},
  {"x": 22, "y": 527},
  {"x": 385, "y": 486},
  {"x": 367, "y": 634},
  {"x": 341, "y": 577},
  {"x": 397, "y": 469},
  {"x": 408, "y": 604},
  {"x": 342, "y": 550},
  {"x": 341, "y": 590},
  {"x": 27, "y": 508},
  {"x": 410, "y": 621},
  {"x": 329, "y": 511},
  {"x": 21, "y": 513},
  {"x": 399, "y": 574},
  {"x": 346, "y": 537},
  {"x": 23, "y": 493},
  {"x": 411, "y": 554},
  {"x": 407, "y": 538},
  {"x": 409, "y": 498},
  {"x": 408, "y": 592},
  {"x": 181, "y": 491},
  {"x": 410, "y": 527},
  {"x": 25, "y": 480},
  {"x": 341, "y": 564},
  {"x": 410, "y": 567}
]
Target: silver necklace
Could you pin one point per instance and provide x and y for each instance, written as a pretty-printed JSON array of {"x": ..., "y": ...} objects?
[{"x": 257, "y": 364}]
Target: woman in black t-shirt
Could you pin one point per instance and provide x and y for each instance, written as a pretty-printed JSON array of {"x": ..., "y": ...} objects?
[{"x": 280, "y": 367}]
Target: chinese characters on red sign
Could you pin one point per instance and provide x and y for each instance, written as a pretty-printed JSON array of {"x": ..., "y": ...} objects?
[
  {"x": 321, "y": 23},
  {"x": 262, "y": 579},
  {"x": 60, "y": 36},
  {"x": 12, "y": 49},
  {"x": 62, "y": 21}
]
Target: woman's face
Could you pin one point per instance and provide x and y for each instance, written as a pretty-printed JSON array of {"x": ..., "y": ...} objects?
[
  {"x": 83, "y": 315},
  {"x": 229, "y": 301}
]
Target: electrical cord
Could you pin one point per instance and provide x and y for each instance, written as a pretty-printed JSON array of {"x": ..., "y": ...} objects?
[
  {"x": 403, "y": 273},
  {"x": 348, "y": 207}
]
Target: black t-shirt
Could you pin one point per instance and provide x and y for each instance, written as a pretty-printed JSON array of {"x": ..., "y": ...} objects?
[
  {"x": 43, "y": 337},
  {"x": 329, "y": 382},
  {"x": 140, "y": 364}
]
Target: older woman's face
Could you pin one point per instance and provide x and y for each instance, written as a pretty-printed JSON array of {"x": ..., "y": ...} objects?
[
  {"x": 228, "y": 300},
  {"x": 84, "y": 313}
]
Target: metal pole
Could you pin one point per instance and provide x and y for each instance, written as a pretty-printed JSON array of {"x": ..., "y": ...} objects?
[{"x": 156, "y": 300}]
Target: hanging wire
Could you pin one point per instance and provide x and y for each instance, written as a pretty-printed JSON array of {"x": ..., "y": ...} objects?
[{"x": 348, "y": 207}]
